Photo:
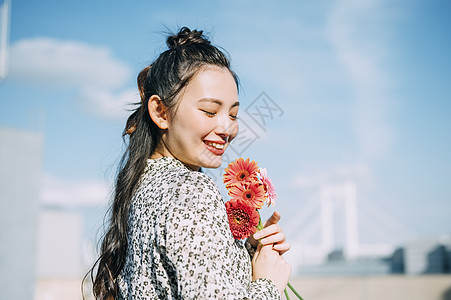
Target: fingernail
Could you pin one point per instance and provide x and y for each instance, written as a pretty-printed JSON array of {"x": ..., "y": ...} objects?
[{"x": 257, "y": 236}]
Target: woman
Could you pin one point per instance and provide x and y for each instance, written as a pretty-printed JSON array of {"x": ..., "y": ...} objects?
[{"x": 169, "y": 235}]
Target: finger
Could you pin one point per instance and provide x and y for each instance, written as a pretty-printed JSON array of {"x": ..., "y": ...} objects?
[
  {"x": 270, "y": 223},
  {"x": 275, "y": 217},
  {"x": 267, "y": 250},
  {"x": 277, "y": 238},
  {"x": 282, "y": 248},
  {"x": 272, "y": 229}
]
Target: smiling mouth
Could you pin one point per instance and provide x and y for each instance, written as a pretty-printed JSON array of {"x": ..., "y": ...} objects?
[{"x": 215, "y": 145}]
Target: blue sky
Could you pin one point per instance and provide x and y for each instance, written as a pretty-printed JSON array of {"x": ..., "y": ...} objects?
[{"x": 363, "y": 89}]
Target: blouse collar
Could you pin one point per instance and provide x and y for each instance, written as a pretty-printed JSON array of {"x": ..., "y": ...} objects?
[{"x": 166, "y": 161}]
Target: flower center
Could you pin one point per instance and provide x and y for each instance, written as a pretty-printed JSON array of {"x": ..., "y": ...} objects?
[
  {"x": 243, "y": 174},
  {"x": 249, "y": 194},
  {"x": 240, "y": 216}
]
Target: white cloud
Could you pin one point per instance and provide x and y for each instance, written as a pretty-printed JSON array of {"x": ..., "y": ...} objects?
[
  {"x": 354, "y": 31},
  {"x": 93, "y": 70},
  {"x": 70, "y": 63},
  {"x": 55, "y": 191},
  {"x": 104, "y": 103}
]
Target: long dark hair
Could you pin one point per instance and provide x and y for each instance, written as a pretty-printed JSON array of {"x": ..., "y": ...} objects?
[{"x": 189, "y": 51}]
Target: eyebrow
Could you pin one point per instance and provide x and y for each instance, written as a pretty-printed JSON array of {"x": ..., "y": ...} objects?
[{"x": 216, "y": 101}]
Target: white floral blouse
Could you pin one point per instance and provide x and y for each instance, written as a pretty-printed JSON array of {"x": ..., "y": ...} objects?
[{"x": 179, "y": 242}]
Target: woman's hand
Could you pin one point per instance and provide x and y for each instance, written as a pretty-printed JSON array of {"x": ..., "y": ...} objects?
[
  {"x": 271, "y": 234},
  {"x": 268, "y": 263}
]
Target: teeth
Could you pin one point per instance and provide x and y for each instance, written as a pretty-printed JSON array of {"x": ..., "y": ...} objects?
[{"x": 217, "y": 146}]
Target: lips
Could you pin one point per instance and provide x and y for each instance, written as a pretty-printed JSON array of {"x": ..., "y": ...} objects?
[
  {"x": 215, "y": 145},
  {"x": 215, "y": 148}
]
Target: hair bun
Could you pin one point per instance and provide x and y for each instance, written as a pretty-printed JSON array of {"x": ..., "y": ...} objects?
[{"x": 185, "y": 36}]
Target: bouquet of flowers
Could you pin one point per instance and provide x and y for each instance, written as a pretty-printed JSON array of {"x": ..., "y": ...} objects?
[{"x": 249, "y": 187}]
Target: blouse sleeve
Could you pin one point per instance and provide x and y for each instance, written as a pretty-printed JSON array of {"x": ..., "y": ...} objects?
[{"x": 200, "y": 246}]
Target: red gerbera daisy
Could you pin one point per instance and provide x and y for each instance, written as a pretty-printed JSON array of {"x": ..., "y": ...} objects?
[
  {"x": 252, "y": 193},
  {"x": 240, "y": 170},
  {"x": 243, "y": 219}
]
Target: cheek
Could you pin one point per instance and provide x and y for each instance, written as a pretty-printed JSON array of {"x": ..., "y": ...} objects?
[{"x": 233, "y": 131}]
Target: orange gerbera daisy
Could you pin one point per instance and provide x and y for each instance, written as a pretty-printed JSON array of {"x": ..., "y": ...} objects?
[
  {"x": 253, "y": 193},
  {"x": 243, "y": 219},
  {"x": 240, "y": 170}
]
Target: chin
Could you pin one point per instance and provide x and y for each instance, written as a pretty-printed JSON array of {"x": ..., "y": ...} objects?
[{"x": 213, "y": 164}]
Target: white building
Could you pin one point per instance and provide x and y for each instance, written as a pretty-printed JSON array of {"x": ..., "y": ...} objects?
[{"x": 20, "y": 169}]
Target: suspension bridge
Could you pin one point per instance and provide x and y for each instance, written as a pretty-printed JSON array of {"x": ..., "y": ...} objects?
[{"x": 339, "y": 217}]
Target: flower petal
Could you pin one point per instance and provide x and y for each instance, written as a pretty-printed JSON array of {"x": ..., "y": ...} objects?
[{"x": 243, "y": 219}]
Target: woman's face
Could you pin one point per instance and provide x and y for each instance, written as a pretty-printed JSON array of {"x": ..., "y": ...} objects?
[{"x": 204, "y": 120}]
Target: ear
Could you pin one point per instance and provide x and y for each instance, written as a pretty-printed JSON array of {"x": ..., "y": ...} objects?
[{"x": 158, "y": 112}]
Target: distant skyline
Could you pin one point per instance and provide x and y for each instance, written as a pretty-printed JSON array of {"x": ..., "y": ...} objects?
[{"x": 363, "y": 91}]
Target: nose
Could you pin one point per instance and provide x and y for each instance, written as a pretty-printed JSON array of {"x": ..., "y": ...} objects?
[{"x": 225, "y": 126}]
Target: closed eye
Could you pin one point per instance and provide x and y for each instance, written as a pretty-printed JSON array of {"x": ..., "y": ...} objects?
[{"x": 209, "y": 113}]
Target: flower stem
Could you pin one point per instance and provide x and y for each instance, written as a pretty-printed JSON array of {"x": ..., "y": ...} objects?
[
  {"x": 260, "y": 224},
  {"x": 286, "y": 294},
  {"x": 294, "y": 291}
]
